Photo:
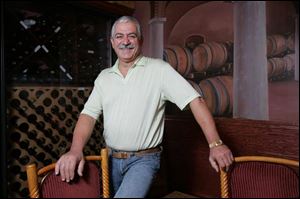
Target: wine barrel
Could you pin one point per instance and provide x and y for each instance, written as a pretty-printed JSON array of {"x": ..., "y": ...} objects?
[
  {"x": 209, "y": 56},
  {"x": 170, "y": 56},
  {"x": 192, "y": 41},
  {"x": 276, "y": 45},
  {"x": 217, "y": 93},
  {"x": 289, "y": 60},
  {"x": 196, "y": 87},
  {"x": 276, "y": 66},
  {"x": 227, "y": 81},
  {"x": 290, "y": 42},
  {"x": 183, "y": 57},
  {"x": 229, "y": 48}
]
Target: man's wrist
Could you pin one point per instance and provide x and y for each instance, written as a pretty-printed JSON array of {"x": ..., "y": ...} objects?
[{"x": 215, "y": 143}]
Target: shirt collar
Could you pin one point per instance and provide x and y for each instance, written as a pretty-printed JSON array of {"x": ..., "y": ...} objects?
[{"x": 140, "y": 61}]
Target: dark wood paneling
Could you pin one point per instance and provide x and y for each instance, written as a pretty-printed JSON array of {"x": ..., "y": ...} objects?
[
  {"x": 186, "y": 150},
  {"x": 115, "y": 9}
]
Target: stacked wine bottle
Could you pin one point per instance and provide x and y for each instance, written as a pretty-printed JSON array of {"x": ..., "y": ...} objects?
[{"x": 41, "y": 121}]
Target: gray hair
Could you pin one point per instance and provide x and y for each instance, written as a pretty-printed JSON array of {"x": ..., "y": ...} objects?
[{"x": 126, "y": 19}]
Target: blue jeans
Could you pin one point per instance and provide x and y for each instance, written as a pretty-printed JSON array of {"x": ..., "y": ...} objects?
[{"x": 132, "y": 177}]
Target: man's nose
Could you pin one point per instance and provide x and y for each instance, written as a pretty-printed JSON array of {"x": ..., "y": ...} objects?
[{"x": 126, "y": 40}]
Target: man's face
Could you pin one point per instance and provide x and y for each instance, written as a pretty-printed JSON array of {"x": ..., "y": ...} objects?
[{"x": 125, "y": 42}]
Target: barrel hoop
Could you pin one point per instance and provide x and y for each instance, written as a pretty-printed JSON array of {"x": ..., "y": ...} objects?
[
  {"x": 216, "y": 96},
  {"x": 225, "y": 52},
  {"x": 272, "y": 65},
  {"x": 174, "y": 51},
  {"x": 171, "y": 49},
  {"x": 227, "y": 110},
  {"x": 188, "y": 64},
  {"x": 274, "y": 43},
  {"x": 201, "y": 91},
  {"x": 212, "y": 55},
  {"x": 165, "y": 56}
]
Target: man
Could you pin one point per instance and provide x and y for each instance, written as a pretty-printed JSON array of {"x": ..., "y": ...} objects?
[{"x": 131, "y": 95}]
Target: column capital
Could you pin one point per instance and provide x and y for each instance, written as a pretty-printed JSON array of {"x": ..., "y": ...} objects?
[{"x": 157, "y": 20}]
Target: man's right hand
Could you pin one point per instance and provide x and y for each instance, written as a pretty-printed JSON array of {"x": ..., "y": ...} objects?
[{"x": 67, "y": 163}]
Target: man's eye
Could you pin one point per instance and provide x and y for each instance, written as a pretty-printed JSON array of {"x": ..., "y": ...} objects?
[
  {"x": 132, "y": 36},
  {"x": 118, "y": 36}
]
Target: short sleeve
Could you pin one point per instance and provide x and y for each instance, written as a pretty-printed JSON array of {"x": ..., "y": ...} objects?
[
  {"x": 175, "y": 88},
  {"x": 93, "y": 106}
]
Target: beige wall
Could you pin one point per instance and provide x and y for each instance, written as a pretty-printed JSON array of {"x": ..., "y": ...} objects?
[{"x": 213, "y": 19}]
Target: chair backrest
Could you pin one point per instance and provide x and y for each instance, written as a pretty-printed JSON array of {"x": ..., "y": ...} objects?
[
  {"x": 260, "y": 177},
  {"x": 43, "y": 183}
]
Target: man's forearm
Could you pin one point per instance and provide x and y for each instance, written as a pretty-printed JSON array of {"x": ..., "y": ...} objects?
[
  {"x": 204, "y": 119},
  {"x": 82, "y": 132}
]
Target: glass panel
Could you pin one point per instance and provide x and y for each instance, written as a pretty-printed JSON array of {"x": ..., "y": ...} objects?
[
  {"x": 53, "y": 54},
  {"x": 68, "y": 46}
]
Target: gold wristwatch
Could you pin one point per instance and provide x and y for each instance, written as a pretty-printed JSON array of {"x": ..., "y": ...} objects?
[{"x": 215, "y": 144}]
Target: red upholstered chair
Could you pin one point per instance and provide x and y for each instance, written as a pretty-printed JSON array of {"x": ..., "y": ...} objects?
[
  {"x": 94, "y": 183},
  {"x": 260, "y": 177}
]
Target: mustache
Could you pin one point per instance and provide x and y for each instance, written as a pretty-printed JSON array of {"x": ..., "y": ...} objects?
[{"x": 129, "y": 46}]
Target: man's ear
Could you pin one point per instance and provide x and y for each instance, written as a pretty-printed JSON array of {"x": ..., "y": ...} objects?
[
  {"x": 112, "y": 43},
  {"x": 141, "y": 41}
]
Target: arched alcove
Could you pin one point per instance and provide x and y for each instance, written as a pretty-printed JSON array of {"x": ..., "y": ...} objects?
[{"x": 213, "y": 20}]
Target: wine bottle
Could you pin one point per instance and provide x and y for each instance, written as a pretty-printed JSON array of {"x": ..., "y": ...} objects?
[
  {"x": 39, "y": 93},
  {"x": 68, "y": 108},
  {"x": 54, "y": 93},
  {"x": 40, "y": 125},
  {"x": 68, "y": 94},
  {"x": 15, "y": 153},
  {"x": 23, "y": 127},
  {"x": 62, "y": 116},
  {"x": 62, "y": 101},
  {"x": 41, "y": 141},
  {"x": 15, "y": 103},
  {"x": 23, "y": 94},
  {"x": 54, "y": 109},
  {"x": 40, "y": 110},
  {"x": 15, "y": 136},
  {"x": 24, "y": 144},
  {"x": 48, "y": 133},
  {"x": 80, "y": 94},
  {"x": 24, "y": 160},
  {"x": 41, "y": 156},
  {"x": 74, "y": 101},
  {"x": 32, "y": 151},
  {"x": 47, "y": 102},
  {"x": 32, "y": 134},
  {"x": 23, "y": 175},
  {"x": 55, "y": 139},
  {"x": 32, "y": 118}
]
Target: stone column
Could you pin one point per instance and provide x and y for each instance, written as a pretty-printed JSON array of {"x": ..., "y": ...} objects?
[
  {"x": 250, "y": 78},
  {"x": 156, "y": 37}
]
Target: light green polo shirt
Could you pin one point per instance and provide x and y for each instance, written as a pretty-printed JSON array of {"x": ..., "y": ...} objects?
[{"x": 133, "y": 107}]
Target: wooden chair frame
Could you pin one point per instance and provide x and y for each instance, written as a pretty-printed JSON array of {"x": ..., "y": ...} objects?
[
  {"x": 224, "y": 175},
  {"x": 33, "y": 174}
]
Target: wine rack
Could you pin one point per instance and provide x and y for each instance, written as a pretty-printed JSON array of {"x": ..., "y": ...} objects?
[
  {"x": 41, "y": 121},
  {"x": 67, "y": 47}
]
